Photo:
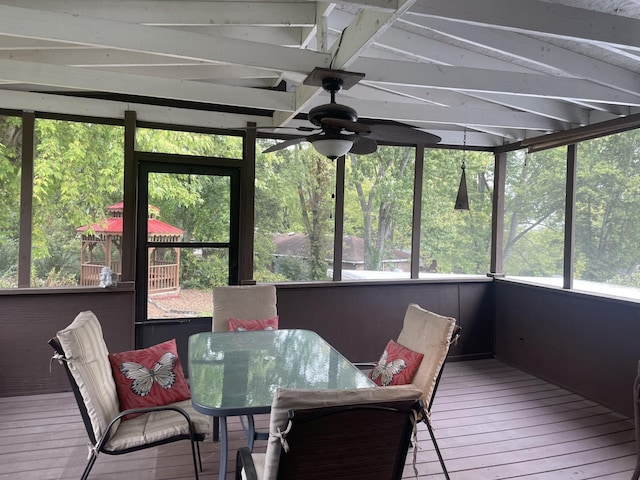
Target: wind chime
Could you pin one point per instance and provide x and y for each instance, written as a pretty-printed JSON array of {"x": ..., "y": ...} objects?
[{"x": 462, "y": 199}]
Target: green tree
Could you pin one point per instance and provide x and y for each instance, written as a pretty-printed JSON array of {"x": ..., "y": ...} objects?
[
  {"x": 382, "y": 184},
  {"x": 534, "y": 213},
  {"x": 456, "y": 241},
  {"x": 294, "y": 194},
  {"x": 607, "y": 204},
  {"x": 10, "y": 165},
  {"x": 78, "y": 172}
]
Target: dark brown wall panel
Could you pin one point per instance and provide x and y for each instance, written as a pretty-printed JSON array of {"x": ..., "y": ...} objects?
[
  {"x": 586, "y": 344},
  {"x": 359, "y": 319},
  {"x": 28, "y": 321}
]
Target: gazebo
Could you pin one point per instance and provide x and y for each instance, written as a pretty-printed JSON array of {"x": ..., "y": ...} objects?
[{"x": 164, "y": 267}]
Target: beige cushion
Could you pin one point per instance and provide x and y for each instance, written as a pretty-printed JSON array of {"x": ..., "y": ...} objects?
[
  {"x": 246, "y": 302},
  {"x": 428, "y": 333},
  {"x": 258, "y": 463},
  {"x": 285, "y": 400},
  {"x": 87, "y": 357},
  {"x": 156, "y": 426}
]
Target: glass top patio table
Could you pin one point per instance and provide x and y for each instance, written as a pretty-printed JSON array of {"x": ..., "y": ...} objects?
[{"x": 237, "y": 373}]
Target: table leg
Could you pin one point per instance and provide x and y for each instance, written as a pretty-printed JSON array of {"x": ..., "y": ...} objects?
[
  {"x": 224, "y": 447},
  {"x": 249, "y": 429},
  {"x": 216, "y": 429}
]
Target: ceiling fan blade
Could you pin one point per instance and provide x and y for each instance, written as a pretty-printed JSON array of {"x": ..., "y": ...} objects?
[
  {"x": 363, "y": 146},
  {"x": 397, "y": 132},
  {"x": 285, "y": 144},
  {"x": 348, "y": 125}
]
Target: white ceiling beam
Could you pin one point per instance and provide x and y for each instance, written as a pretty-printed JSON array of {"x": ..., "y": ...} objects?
[
  {"x": 543, "y": 18},
  {"x": 165, "y": 12},
  {"x": 480, "y": 80},
  {"x": 61, "y": 104},
  {"x": 560, "y": 111},
  {"x": 283, "y": 36},
  {"x": 361, "y": 33},
  {"x": 436, "y": 51},
  {"x": 457, "y": 116},
  {"x": 94, "y": 56},
  {"x": 103, "y": 81},
  {"x": 139, "y": 64},
  {"x": 531, "y": 50},
  {"x": 203, "y": 73},
  {"x": 22, "y": 22}
]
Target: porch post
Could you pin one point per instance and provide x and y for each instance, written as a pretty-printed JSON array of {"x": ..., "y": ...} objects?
[{"x": 497, "y": 216}]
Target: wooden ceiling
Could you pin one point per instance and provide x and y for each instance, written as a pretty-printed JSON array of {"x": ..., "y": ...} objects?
[{"x": 493, "y": 71}]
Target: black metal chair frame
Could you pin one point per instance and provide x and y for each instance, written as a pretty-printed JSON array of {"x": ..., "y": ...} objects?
[
  {"x": 323, "y": 442},
  {"x": 100, "y": 446},
  {"x": 454, "y": 338},
  {"x": 426, "y": 413}
]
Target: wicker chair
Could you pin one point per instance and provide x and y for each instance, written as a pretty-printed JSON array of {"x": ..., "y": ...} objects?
[{"x": 346, "y": 434}]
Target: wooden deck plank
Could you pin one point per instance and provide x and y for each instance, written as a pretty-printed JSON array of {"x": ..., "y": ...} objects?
[{"x": 491, "y": 420}]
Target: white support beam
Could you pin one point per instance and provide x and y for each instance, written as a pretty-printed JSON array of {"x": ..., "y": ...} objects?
[
  {"x": 186, "y": 12},
  {"x": 103, "y": 81},
  {"x": 67, "y": 105},
  {"x": 542, "y": 18},
  {"x": 283, "y": 36},
  {"x": 480, "y": 80},
  {"x": 455, "y": 116},
  {"x": 23, "y": 22},
  {"x": 534, "y": 51},
  {"x": 561, "y": 111},
  {"x": 361, "y": 33},
  {"x": 427, "y": 49}
]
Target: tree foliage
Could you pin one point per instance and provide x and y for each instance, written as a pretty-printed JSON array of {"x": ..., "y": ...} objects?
[{"x": 78, "y": 172}]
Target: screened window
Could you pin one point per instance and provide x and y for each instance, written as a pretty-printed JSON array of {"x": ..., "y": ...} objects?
[
  {"x": 77, "y": 202},
  {"x": 378, "y": 214},
  {"x": 188, "y": 143},
  {"x": 294, "y": 225},
  {"x": 456, "y": 241},
  {"x": 534, "y": 216},
  {"x": 10, "y": 168},
  {"x": 607, "y": 251}
]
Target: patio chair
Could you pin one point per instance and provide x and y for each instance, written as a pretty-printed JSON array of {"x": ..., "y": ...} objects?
[
  {"x": 81, "y": 349},
  {"x": 348, "y": 434},
  {"x": 430, "y": 334},
  {"x": 244, "y": 302},
  {"x": 636, "y": 409}
]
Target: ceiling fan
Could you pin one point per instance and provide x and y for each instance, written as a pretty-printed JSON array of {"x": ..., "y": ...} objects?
[{"x": 338, "y": 129}]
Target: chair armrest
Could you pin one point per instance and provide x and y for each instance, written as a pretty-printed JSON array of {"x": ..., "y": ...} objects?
[
  {"x": 244, "y": 461},
  {"x": 107, "y": 433}
]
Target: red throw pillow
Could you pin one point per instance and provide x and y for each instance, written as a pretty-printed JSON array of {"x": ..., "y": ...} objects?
[
  {"x": 239, "y": 325},
  {"x": 149, "y": 377},
  {"x": 396, "y": 365}
]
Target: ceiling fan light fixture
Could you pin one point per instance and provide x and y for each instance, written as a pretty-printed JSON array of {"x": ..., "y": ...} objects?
[{"x": 332, "y": 147}]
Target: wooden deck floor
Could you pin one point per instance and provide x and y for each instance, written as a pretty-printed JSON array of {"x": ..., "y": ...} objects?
[{"x": 492, "y": 422}]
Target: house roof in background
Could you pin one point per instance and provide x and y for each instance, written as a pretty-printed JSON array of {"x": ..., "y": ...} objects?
[{"x": 483, "y": 74}]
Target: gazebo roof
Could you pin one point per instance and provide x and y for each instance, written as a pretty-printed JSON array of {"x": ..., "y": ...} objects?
[{"x": 113, "y": 225}]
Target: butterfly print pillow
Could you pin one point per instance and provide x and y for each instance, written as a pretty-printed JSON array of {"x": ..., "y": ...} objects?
[
  {"x": 396, "y": 366},
  {"x": 239, "y": 325},
  {"x": 149, "y": 377}
]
